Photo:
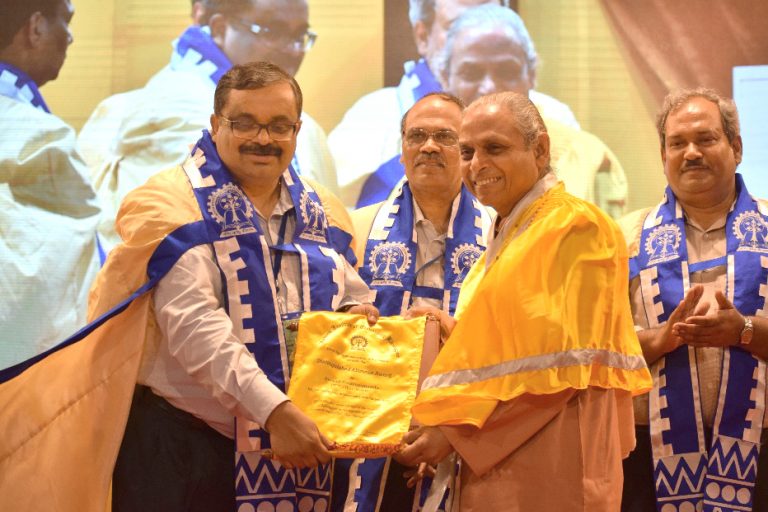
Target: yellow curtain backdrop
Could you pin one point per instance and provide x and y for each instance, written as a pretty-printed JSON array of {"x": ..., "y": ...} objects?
[{"x": 119, "y": 44}]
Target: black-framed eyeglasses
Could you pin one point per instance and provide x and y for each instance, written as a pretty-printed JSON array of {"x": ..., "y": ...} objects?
[
  {"x": 418, "y": 136},
  {"x": 249, "y": 130},
  {"x": 277, "y": 39}
]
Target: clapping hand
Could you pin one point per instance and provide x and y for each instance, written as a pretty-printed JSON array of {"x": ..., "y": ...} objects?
[{"x": 720, "y": 328}]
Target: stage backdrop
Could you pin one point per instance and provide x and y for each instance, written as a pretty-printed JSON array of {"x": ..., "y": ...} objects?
[{"x": 596, "y": 56}]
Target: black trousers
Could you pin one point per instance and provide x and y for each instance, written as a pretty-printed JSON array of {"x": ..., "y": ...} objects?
[
  {"x": 639, "y": 494},
  {"x": 170, "y": 461}
]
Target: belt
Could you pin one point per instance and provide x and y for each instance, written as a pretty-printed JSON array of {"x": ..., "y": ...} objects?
[{"x": 144, "y": 395}]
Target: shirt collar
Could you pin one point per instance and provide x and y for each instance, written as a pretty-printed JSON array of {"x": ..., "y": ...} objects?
[
  {"x": 719, "y": 224},
  {"x": 283, "y": 205},
  {"x": 420, "y": 221},
  {"x": 539, "y": 188}
]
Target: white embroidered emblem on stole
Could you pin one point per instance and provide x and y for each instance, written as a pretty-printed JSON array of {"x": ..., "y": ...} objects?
[{"x": 232, "y": 210}]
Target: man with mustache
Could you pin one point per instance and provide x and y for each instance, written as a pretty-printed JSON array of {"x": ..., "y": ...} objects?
[
  {"x": 241, "y": 246},
  {"x": 417, "y": 247},
  {"x": 132, "y": 135},
  {"x": 365, "y": 143},
  {"x": 533, "y": 387},
  {"x": 698, "y": 275}
]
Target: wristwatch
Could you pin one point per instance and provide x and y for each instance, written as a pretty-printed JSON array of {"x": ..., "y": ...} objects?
[{"x": 746, "y": 333}]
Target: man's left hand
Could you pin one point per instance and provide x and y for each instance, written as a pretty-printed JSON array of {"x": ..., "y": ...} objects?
[
  {"x": 425, "y": 444},
  {"x": 719, "y": 329}
]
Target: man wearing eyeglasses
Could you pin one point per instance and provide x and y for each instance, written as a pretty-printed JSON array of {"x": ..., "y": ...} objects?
[
  {"x": 365, "y": 142},
  {"x": 488, "y": 50},
  {"x": 440, "y": 228},
  {"x": 241, "y": 246},
  {"x": 130, "y": 136}
]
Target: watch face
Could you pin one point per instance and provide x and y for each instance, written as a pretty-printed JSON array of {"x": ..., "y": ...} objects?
[{"x": 747, "y": 332}]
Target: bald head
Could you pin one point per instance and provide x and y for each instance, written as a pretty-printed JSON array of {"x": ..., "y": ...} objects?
[{"x": 504, "y": 149}]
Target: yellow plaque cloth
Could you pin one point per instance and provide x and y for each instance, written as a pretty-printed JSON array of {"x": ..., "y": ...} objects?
[{"x": 356, "y": 381}]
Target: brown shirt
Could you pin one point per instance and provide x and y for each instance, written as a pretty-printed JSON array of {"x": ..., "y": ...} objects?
[
  {"x": 547, "y": 453},
  {"x": 702, "y": 245}
]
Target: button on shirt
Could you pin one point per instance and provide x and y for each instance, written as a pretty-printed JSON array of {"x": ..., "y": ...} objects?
[
  {"x": 430, "y": 258},
  {"x": 702, "y": 245},
  {"x": 201, "y": 367}
]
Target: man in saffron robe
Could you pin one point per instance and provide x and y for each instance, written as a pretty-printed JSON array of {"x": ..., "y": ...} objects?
[
  {"x": 470, "y": 50},
  {"x": 533, "y": 387}
]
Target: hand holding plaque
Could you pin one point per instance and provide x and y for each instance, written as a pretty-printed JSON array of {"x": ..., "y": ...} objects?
[{"x": 357, "y": 381}]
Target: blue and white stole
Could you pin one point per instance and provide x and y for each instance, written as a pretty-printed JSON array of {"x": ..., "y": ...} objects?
[
  {"x": 17, "y": 85},
  {"x": 688, "y": 474},
  {"x": 417, "y": 82},
  {"x": 389, "y": 268},
  {"x": 244, "y": 258},
  {"x": 194, "y": 51}
]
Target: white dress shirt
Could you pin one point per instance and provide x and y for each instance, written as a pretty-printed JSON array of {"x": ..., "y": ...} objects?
[{"x": 202, "y": 367}]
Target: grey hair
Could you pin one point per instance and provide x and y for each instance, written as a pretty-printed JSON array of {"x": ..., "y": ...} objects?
[
  {"x": 486, "y": 16},
  {"x": 445, "y": 96},
  {"x": 424, "y": 11},
  {"x": 253, "y": 75},
  {"x": 524, "y": 113},
  {"x": 729, "y": 116}
]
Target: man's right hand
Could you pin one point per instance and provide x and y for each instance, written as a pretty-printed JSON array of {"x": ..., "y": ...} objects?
[
  {"x": 660, "y": 341},
  {"x": 296, "y": 441},
  {"x": 425, "y": 444}
]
